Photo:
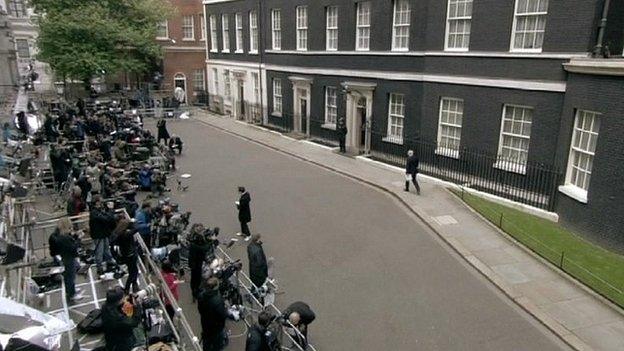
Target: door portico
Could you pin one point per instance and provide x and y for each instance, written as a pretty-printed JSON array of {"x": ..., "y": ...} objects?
[
  {"x": 359, "y": 116},
  {"x": 301, "y": 104}
]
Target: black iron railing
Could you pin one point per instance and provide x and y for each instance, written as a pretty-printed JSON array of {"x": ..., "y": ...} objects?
[{"x": 530, "y": 183}]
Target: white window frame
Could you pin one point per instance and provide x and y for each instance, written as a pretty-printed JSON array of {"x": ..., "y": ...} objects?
[
  {"x": 185, "y": 27},
  {"x": 215, "y": 80},
  {"x": 450, "y": 20},
  {"x": 396, "y": 26},
  {"x": 393, "y": 99},
  {"x": 302, "y": 27},
  {"x": 227, "y": 83},
  {"x": 509, "y": 165},
  {"x": 239, "y": 32},
  {"x": 362, "y": 8},
  {"x": 331, "y": 108},
  {"x": 202, "y": 27},
  {"x": 17, "y": 8},
  {"x": 214, "y": 34},
  {"x": 512, "y": 45},
  {"x": 203, "y": 80},
  {"x": 225, "y": 28},
  {"x": 444, "y": 149},
  {"x": 331, "y": 28},
  {"x": 276, "y": 29},
  {"x": 278, "y": 98},
  {"x": 253, "y": 32},
  {"x": 570, "y": 187},
  {"x": 166, "y": 25}
]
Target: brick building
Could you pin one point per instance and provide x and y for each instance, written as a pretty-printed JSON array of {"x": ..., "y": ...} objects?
[
  {"x": 454, "y": 79},
  {"x": 183, "y": 42}
]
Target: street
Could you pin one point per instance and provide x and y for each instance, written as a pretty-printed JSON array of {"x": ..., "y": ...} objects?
[{"x": 375, "y": 276}]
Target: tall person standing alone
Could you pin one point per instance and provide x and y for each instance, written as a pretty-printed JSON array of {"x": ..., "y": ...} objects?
[
  {"x": 244, "y": 212},
  {"x": 411, "y": 171}
]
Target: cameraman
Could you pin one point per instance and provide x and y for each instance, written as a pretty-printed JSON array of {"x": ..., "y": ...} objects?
[
  {"x": 259, "y": 338},
  {"x": 119, "y": 319},
  {"x": 102, "y": 222},
  {"x": 213, "y": 313},
  {"x": 128, "y": 252},
  {"x": 300, "y": 315},
  {"x": 258, "y": 267},
  {"x": 199, "y": 248}
]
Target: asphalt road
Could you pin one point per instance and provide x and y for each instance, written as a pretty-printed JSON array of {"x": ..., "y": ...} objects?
[{"x": 375, "y": 276}]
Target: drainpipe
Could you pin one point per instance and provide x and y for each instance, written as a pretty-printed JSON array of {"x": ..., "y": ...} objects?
[
  {"x": 598, "y": 49},
  {"x": 261, "y": 47}
]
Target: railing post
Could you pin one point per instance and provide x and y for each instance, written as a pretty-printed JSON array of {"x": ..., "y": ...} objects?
[{"x": 561, "y": 261}]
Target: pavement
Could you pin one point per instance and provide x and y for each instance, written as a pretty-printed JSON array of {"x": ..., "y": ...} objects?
[{"x": 438, "y": 285}]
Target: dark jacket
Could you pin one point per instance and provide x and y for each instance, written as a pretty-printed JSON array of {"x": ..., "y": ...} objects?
[
  {"x": 244, "y": 211},
  {"x": 198, "y": 249},
  {"x": 162, "y": 129},
  {"x": 258, "y": 268},
  {"x": 342, "y": 129},
  {"x": 256, "y": 340},
  {"x": 412, "y": 165},
  {"x": 118, "y": 328},
  {"x": 75, "y": 206},
  {"x": 128, "y": 247},
  {"x": 304, "y": 310},
  {"x": 101, "y": 223},
  {"x": 64, "y": 245},
  {"x": 212, "y": 312}
]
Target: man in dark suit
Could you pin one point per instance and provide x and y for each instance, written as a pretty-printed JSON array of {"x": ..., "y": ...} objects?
[
  {"x": 244, "y": 212},
  {"x": 411, "y": 171},
  {"x": 258, "y": 266}
]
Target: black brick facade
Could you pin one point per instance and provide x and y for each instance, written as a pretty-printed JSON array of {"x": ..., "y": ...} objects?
[{"x": 571, "y": 30}]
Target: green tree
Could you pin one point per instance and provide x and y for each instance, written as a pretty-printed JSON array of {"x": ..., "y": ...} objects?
[{"x": 81, "y": 39}]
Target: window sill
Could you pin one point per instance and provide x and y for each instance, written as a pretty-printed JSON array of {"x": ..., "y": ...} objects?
[
  {"x": 239, "y": 52},
  {"x": 330, "y": 126},
  {"x": 253, "y": 52},
  {"x": 442, "y": 151},
  {"x": 393, "y": 140},
  {"x": 214, "y": 51},
  {"x": 276, "y": 114},
  {"x": 225, "y": 51},
  {"x": 574, "y": 192},
  {"x": 400, "y": 50},
  {"x": 302, "y": 49},
  {"x": 526, "y": 51},
  {"x": 331, "y": 50},
  {"x": 510, "y": 167},
  {"x": 188, "y": 39},
  {"x": 456, "y": 50},
  {"x": 162, "y": 39},
  {"x": 277, "y": 49}
]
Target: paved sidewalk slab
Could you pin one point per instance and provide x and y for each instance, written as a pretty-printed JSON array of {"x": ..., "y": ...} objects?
[{"x": 581, "y": 318}]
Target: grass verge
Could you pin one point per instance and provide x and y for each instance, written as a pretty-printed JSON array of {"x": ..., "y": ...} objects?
[{"x": 594, "y": 266}]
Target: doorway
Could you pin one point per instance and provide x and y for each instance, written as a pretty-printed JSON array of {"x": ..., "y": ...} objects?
[
  {"x": 303, "y": 108},
  {"x": 241, "y": 100},
  {"x": 360, "y": 111},
  {"x": 179, "y": 81}
]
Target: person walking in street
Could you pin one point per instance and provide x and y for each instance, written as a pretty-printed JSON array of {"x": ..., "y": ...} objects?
[
  {"x": 63, "y": 244},
  {"x": 411, "y": 171},
  {"x": 213, "y": 314},
  {"x": 163, "y": 133},
  {"x": 101, "y": 225},
  {"x": 244, "y": 212},
  {"x": 341, "y": 128},
  {"x": 258, "y": 267}
]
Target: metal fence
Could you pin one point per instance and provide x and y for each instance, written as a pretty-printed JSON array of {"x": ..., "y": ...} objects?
[{"x": 532, "y": 183}]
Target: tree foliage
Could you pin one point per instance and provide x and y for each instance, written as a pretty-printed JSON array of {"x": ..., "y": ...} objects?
[{"x": 82, "y": 38}]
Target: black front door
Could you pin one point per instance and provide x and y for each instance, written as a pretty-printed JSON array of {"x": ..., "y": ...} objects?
[{"x": 304, "y": 115}]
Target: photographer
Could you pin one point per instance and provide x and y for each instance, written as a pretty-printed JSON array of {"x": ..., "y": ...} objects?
[
  {"x": 259, "y": 338},
  {"x": 213, "y": 314},
  {"x": 199, "y": 248},
  {"x": 119, "y": 319},
  {"x": 63, "y": 244},
  {"x": 300, "y": 315},
  {"x": 175, "y": 144},
  {"x": 143, "y": 222},
  {"x": 128, "y": 252},
  {"x": 101, "y": 225},
  {"x": 258, "y": 268}
]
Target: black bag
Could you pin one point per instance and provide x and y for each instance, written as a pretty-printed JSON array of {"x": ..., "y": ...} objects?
[
  {"x": 160, "y": 333},
  {"x": 92, "y": 323}
]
